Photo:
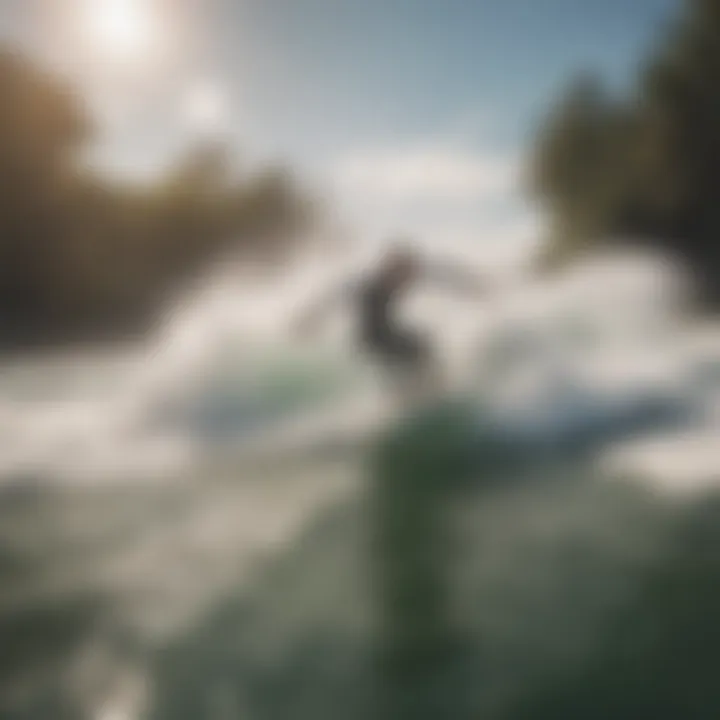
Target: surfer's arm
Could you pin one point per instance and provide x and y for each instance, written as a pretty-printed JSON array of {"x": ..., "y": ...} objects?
[
  {"x": 458, "y": 279},
  {"x": 315, "y": 312}
]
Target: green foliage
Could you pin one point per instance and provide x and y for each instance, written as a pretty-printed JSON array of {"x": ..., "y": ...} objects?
[
  {"x": 86, "y": 255},
  {"x": 644, "y": 167},
  {"x": 579, "y": 170}
]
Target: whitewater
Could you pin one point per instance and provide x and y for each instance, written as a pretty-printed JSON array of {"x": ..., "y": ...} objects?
[{"x": 539, "y": 357}]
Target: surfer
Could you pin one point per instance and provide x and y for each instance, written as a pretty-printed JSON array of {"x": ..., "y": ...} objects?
[{"x": 406, "y": 353}]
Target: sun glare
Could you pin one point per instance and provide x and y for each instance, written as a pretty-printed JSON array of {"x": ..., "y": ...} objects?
[{"x": 121, "y": 30}]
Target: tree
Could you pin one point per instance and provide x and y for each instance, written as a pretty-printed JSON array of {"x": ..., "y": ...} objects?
[
  {"x": 579, "y": 156},
  {"x": 648, "y": 167},
  {"x": 83, "y": 254}
]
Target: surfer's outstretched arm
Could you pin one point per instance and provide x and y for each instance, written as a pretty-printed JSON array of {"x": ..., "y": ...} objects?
[
  {"x": 458, "y": 279},
  {"x": 315, "y": 313}
]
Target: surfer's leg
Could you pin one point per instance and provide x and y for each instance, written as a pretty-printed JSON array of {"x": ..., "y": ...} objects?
[{"x": 410, "y": 359}]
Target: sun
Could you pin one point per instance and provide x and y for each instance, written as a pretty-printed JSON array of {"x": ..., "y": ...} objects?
[{"x": 121, "y": 30}]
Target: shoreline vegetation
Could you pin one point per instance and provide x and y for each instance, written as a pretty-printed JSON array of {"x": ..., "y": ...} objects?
[
  {"x": 88, "y": 257},
  {"x": 644, "y": 164}
]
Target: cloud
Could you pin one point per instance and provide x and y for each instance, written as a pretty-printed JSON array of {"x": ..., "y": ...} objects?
[
  {"x": 428, "y": 173},
  {"x": 450, "y": 195}
]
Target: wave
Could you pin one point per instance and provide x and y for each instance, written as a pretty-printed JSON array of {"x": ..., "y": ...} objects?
[{"x": 601, "y": 352}]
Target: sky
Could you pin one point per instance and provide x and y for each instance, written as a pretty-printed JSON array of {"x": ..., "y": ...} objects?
[{"x": 410, "y": 116}]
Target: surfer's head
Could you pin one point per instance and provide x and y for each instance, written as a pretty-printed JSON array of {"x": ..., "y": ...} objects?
[{"x": 401, "y": 262}]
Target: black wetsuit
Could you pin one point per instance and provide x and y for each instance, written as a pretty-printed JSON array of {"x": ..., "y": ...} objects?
[
  {"x": 380, "y": 333},
  {"x": 375, "y": 300}
]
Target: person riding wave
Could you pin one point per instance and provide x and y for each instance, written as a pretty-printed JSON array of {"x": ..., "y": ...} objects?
[{"x": 375, "y": 298}]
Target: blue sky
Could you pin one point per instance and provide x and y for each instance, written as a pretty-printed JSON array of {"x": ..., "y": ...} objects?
[
  {"x": 413, "y": 114},
  {"x": 333, "y": 71}
]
